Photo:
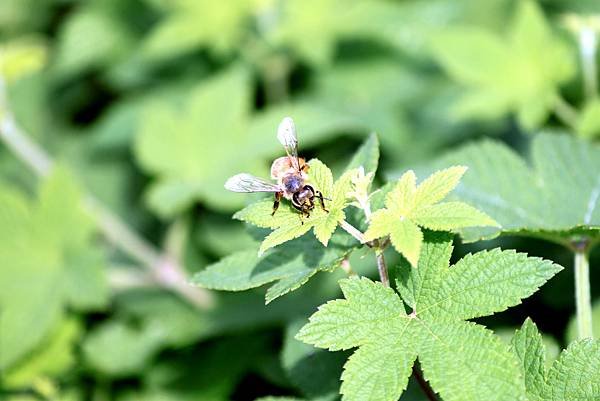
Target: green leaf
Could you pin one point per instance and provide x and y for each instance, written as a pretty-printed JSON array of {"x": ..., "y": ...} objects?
[
  {"x": 175, "y": 143},
  {"x": 528, "y": 345},
  {"x": 119, "y": 350},
  {"x": 557, "y": 197},
  {"x": 535, "y": 59},
  {"x": 407, "y": 207},
  {"x": 51, "y": 358},
  {"x": 366, "y": 156},
  {"x": 289, "y": 265},
  {"x": 477, "y": 285},
  {"x": 574, "y": 375},
  {"x": 36, "y": 286},
  {"x": 588, "y": 125},
  {"x": 288, "y": 223},
  {"x": 462, "y": 360}
]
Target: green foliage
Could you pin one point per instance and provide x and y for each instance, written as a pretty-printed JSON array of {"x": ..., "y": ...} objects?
[
  {"x": 373, "y": 318},
  {"x": 556, "y": 196},
  {"x": 573, "y": 376},
  {"x": 408, "y": 207},
  {"x": 518, "y": 72},
  {"x": 288, "y": 223},
  {"x": 35, "y": 286}
]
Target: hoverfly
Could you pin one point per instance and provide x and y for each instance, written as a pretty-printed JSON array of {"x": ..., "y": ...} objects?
[{"x": 290, "y": 173}]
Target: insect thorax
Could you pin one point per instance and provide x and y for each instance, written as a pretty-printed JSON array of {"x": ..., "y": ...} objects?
[{"x": 292, "y": 183}]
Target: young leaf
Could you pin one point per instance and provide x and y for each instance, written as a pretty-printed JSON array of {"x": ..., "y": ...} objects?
[
  {"x": 288, "y": 223},
  {"x": 407, "y": 207},
  {"x": 556, "y": 197},
  {"x": 575, "y": 375},
  {"x": 462, "y": 360},
  {"x": 289, "y": 266}
]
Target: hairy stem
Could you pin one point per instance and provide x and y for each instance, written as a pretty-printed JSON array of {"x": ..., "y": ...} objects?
[
  {"x": 164, "y": 272},
  {"x": 565, "y": 112},
  {"x": 427, "y": 390},
  {"x": 353, "y": 231},
  {"x": 381, "y": 266},
  {"x": 582, "y": 294}
]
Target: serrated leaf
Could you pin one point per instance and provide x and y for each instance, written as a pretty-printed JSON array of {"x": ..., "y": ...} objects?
[
  {"x": 462, "y": 360},
  {"x": 449, "y": 216},
  {"x": 288, "y": 223},
  {"x": 530, "y": 198},
  {"x": 407, "y": 207},
  {"x": 527, "y": 344},
  {"x": 575, "y": 374},
  {"x": 477, "y": 285},
  {"x": 291, "y": 265}
]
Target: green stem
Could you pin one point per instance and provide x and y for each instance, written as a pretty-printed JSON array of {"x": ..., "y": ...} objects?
[
  {"x": 582, "y": 294},
  {"x": 588, "y": 45},
  {"x": 565, "y": 112}
]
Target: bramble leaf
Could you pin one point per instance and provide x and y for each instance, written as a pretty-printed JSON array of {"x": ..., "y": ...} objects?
[
  {"x": 462, "y": 360},
  {"x": 289, "y": 266},
  {"x": 556, "y": 196},
  {"x": 288, "y": 223},
  {"x": 575, "y": 375},
  {"x": 407, "y": 207}
]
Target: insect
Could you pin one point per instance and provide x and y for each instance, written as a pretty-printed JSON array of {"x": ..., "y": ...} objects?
[{"x": 290, "y": 173}]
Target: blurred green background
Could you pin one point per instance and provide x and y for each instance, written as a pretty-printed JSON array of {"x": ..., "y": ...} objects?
[{"x": 150, "y": 105}]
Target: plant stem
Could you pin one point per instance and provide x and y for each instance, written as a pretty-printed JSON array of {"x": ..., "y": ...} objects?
[
  {"x": 582, "y": 294},
  {"x": 164, "y": 271},
  {"x": 427, "y": 390},
  {"x": 353, "y": 231},
  {"x": 588, "y": 46},
  {"x": 381, "y": 266},
  {"x": 565, "y": 112}
]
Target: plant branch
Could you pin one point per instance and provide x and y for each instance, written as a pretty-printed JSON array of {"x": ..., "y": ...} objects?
[
  {"x": 381, "y": 265},
  {"x": 353, "y": 231},
  {"x": 427, "y": 390},
  {"x": 565, "y": 112},
  {"x": 582, "y": 292},
  {"x": 164, "y": 271}
]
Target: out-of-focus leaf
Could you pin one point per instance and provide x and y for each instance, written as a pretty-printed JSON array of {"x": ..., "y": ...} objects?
[
  {"x": 518, "y": 72},
  {"x": 571, "y": 334},
  {"x": 21, "y": 57},
  {"x": 180, "y": 145},
  {"x": 557, "y": 197},
  {"x": 191, "y": 24},
  {"x": 588, "y": 125},
  {"x": 40, "y": 242},
  {"x": 118, "y": 350},
  {"x": 52, "y": 357},
  {"x": 91, "y": 37}
]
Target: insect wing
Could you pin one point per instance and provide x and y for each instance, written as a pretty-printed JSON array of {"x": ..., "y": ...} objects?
[
  {"x": 249, "y": 183},
  {"x": 286, "y": 134}
]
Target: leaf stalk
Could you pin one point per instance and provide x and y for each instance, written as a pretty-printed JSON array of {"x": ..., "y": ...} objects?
[{"x": 582, "y": 292}]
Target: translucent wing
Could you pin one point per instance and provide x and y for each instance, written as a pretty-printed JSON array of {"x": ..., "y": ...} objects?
[
  {"x": 249, "y": 183},
  {"x": 286, "y": 134}
]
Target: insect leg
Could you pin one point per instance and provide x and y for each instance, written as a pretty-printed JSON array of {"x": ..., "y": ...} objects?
[
  {"x": 278, "y": 196},
  {"x": 322, "y": 200}
]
